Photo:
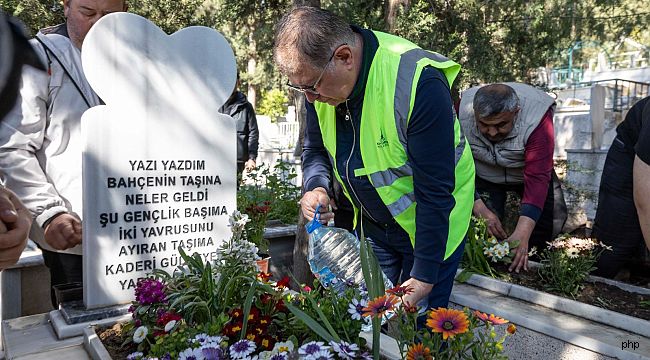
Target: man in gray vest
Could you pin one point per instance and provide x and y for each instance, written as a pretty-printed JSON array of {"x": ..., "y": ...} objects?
[{"x": 510, "y": 130}]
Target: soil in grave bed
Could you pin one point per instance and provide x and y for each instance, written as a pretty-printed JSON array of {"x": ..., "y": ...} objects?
[
  {"x": 112, "y": 338},
  {"x": 597, "y": 294}
]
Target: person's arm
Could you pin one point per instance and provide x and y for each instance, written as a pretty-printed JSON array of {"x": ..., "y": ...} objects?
[
  {"x": 15, "y": 222},
  {"x": 22, "y": 134},
  {"x": 253, "y": 137},
  {"x": 641, "y": 186},
  {"x": 431, "y": 131},
  {"x": 316, "y": 168},
  {"x": 537, "y": 177},
  {"x": 641, "y": 172}
]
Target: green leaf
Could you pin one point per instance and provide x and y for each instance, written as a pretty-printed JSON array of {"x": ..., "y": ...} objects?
[
  {"x": 464, "y": 276},
  {"x": 247, "y": 308},
  {"x": 323, "y": 318},
  {"x": 311, "y": 323}
]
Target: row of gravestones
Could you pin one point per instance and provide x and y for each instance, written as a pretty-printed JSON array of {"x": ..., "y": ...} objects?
[{"x": 159, "y": 163}]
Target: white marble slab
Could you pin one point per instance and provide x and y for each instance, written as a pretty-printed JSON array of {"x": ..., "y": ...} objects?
[{"x": 159, "y": 163}]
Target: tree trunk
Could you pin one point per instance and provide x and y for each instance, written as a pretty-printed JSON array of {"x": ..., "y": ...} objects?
[
  {"x": 301, "y": 270},
  {"x": 390, "y": 12},
  {"x": 252, "y": 88},
  {"x": 251, "y": 67}
]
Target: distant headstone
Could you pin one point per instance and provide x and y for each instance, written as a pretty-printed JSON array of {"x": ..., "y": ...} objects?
[
  {"x": 159, "y": 163},
  {"x": 597, "y": 113}
]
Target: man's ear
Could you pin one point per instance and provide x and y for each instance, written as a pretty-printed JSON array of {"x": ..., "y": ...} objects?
[
  {"x": 345, "y": 54},
  {"x": 66, "y": 7}
]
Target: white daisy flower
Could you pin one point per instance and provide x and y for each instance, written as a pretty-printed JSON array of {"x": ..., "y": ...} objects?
[
  {"x": 345, "y": 350},
  {"x": 241, "y": 349},
  {"x": 170, "y": 326},
  {"x": 134, "y": 356},
  {"x": 191, "y": 354},
  {"x": 140, "y": 334}
]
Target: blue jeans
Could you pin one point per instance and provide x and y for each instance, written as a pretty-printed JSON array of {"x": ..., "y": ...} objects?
[{"x": 394, "y": 251}]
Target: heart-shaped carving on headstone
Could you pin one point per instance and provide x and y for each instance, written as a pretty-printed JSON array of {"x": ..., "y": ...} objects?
[{"x": 133, "y": 60}]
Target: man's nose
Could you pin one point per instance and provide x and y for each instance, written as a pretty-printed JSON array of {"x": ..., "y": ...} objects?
[{"x": 492, "y": 131}]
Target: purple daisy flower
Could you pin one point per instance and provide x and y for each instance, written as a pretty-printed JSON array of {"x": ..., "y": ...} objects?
[
  {"x": 212, "y": 353},
  {"x": 355, "y": 308},
  {"x": 344, "y": 349},
  {"x": 190, "y": 354},
  {"x": 200, "y": 338},
  {"x": 312, "y": 347},
  {"x": 323, "y": 354},
  {"x": 241, "y": 349},
  {"x": 280, "y": 356},
  {"x": 134, "y": 356}
]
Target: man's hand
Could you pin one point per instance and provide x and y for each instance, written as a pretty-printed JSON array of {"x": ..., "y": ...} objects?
[
  {"x": 250, "y": 165},
  {"x": 310, "y": 201},
  {"x": 64, "y": 232},
  {"x": 494, "y": 226},
  {"x": 522, "y": 232},
  {"x": 15, "y": 222},
  {"x": 420, "y": 290}
]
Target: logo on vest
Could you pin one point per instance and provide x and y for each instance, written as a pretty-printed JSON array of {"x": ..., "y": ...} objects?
[{"x": 382, "y": 143}]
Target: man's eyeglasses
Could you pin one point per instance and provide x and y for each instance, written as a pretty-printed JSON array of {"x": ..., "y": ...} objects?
[{"x": 312, "y": 89}]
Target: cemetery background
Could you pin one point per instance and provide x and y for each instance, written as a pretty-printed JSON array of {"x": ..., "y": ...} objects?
[{"x": 577, "y": 130}]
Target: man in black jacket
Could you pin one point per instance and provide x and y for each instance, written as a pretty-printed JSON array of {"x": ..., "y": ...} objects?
[{"x": 238, "y": 107}]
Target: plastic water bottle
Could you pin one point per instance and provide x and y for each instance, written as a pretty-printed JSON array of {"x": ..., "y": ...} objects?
[{"x": 335, "y": 256}]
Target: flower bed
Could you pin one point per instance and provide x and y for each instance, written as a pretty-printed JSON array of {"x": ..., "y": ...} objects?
[
  {"x": 227, "y": 310},
  {"x": 563, "y": 279}
]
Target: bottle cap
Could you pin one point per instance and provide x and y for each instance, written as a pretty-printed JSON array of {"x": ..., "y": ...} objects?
[{"x": 315, "y": 222}]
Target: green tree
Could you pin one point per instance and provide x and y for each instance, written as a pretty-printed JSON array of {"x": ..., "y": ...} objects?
[{"x": 35, "y": 14}]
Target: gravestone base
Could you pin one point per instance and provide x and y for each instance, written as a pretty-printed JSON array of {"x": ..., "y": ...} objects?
[
  {"x": 73, "y": 318},
  {"x": 74, "y": 312}
]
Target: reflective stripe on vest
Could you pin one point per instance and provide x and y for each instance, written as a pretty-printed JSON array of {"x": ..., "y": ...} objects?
[{"x": 395, "y": 72}]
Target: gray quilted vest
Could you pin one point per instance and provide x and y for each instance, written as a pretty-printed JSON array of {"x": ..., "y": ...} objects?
[{"x": 503, "y": 162}]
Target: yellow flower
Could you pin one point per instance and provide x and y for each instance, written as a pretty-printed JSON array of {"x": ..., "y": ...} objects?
[{"x": 511, "y": 329}]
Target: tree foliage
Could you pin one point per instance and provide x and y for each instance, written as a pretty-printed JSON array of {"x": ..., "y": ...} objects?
[{"x": 494, "y": 40}]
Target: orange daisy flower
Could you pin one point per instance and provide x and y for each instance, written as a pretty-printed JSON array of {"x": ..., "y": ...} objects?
[
  {"x": 511, "y": 329},
  {"x": 494, "y": 320},
  {"x": 449, "y": 322},
  {"x": 400, "y": 291},
  {"x": 418, "y": 352},
  {"x": 379, "y": 306}
]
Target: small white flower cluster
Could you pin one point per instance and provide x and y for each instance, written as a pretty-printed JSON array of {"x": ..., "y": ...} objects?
[
  {"x": 237, "y": 221},
  {"x": 243, "y": 250},
  {"x": 239, "y": 248},
  {"x": 574, "y": 246},
  {"x": 496, "y": 250}
]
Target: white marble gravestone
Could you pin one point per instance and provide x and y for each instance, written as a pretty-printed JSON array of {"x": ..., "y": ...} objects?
[{"x": 159, "y": 163}]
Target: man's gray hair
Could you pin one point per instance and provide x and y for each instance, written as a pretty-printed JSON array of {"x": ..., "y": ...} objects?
[
  {"x": 494, "y": 99},
  {"x": 308, "y": 36}
]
